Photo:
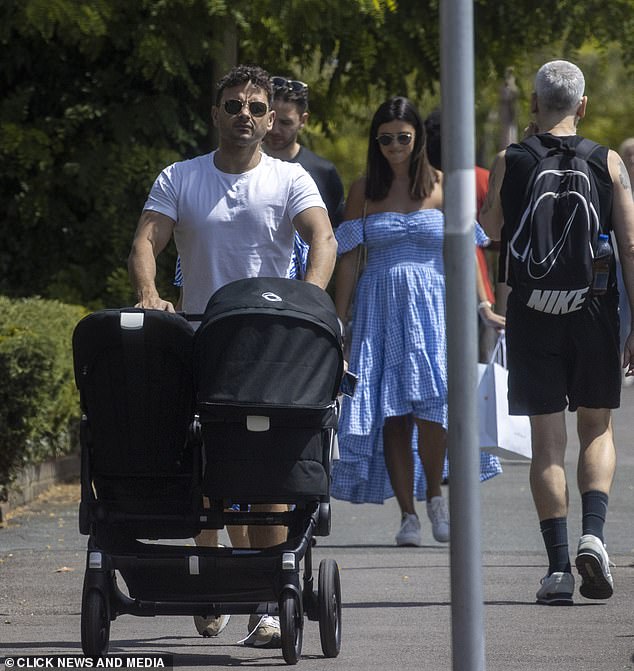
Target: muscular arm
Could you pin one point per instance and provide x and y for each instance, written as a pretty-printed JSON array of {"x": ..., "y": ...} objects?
[
  {"x": 314, "y": 227},
  {"x": 623, "y": 225},
  {"x": 491, "y": 218},
  {"x": 153, "y": 232}
]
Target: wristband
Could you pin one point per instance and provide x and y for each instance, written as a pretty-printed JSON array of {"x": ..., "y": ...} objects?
[{"x": 484, "y": 304}]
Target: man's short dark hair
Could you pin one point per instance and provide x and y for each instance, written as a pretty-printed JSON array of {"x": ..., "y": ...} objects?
[
  {"x": 298, "y": 98},
  {"x": 241, "y": 74}
]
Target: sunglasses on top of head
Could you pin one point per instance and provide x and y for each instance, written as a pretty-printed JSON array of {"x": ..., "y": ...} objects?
[
  {"x": 293, "y": 85},
  {"x": 256, "y": 108},
  {"x": 386, "y": 139}
]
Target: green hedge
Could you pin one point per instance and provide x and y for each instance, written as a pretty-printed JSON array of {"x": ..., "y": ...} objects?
[{"x": 39, "y": 404}]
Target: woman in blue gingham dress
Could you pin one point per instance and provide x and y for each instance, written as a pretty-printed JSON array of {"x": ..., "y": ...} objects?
[
  {"x": 400, "y": 309},
  {"x": 398, "y": 346}
]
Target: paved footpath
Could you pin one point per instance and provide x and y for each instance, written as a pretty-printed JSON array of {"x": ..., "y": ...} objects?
[{"x": 396, "y": 601}]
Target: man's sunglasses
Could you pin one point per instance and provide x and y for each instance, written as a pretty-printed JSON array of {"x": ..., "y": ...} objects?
[
  {"x": 386, "y": 138},
  {"x": 292, "y": 85},
  {"x": 256, "y": 107}
]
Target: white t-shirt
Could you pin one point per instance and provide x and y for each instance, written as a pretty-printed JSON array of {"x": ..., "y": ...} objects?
[{"x": 231, "y": 226}]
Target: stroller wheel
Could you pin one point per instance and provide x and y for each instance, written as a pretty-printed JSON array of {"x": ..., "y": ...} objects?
[
  {"x": 291, "y": 627},
  {"x": 329, "y": 599},
  {"x": 95, "y": 624}
]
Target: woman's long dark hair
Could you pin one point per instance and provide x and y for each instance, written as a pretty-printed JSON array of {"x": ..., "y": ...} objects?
[{"x": 422, "y": 176}]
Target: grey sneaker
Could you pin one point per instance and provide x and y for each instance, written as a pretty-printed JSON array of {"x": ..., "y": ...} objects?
[
  {"x": 593, "y": 565},
  {"x": 409, "y": 533},
  {"x": 264, "y": 632},
  {"x": 557, "y": 589},
  {"x": 209, "y": 627},
  {"x": 438, "y": 513}
]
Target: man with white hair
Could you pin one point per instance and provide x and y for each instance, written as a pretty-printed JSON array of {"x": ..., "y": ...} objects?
[{"x": 566, "y": 360}]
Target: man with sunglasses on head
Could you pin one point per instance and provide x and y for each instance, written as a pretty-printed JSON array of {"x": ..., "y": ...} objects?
[
  {"x": 290, "y": 104},
  {"x": 233, "y": 214}
]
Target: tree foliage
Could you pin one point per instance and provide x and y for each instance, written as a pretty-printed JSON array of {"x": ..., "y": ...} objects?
[{"x": 100, "y": 94}]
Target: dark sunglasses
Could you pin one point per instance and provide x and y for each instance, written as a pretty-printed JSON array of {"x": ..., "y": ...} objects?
[
  {"x": 256, "y": 107},
  {"x": 289, "y": 84},
  {"x": 386, "y": 138}
]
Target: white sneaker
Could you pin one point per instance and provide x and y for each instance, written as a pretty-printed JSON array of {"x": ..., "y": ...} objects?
[
  {"x": 438, "y": 513},
  {"x": 593, "y": 565},
  {"x": 409, "y": 533},
  {"x": 209, "y": 627},
  {"x": 264, "y": 632},
  {"x": 556, "y": 589}
]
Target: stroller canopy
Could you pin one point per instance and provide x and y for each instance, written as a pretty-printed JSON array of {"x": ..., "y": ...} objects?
[{"x": 268, "y": 342}]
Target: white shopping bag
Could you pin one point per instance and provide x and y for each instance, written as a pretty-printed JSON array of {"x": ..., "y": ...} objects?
[{"x": 501, "y": 434}]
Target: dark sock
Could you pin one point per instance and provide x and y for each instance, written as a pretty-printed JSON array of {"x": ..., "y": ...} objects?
[
  {"x": 555, "y": 534},
  {"x": 594, "y": 508}
]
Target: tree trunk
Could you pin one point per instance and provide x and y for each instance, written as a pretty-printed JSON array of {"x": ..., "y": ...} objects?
[
  {"x": 224, "y": 60},
  {"x": 508, "y": 109}
]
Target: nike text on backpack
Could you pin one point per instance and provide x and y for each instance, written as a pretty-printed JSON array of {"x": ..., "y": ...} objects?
[{"x": 553, "y": 253}]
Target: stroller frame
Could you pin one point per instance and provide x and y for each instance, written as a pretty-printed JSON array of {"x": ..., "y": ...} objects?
[
  {"x": 280, "y": 591},
  {"x": 172, "y": 579}
]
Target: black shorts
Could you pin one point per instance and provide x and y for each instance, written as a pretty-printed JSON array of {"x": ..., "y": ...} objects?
[{"x": 559, "y": 361}]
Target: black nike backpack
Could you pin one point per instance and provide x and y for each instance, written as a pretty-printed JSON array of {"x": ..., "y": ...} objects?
[{"x": 550, "y": 254}]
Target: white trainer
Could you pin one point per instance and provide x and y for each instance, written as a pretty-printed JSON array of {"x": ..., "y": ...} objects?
[
  {"x": 264, "y": 632},
  {"x": 438, "y": 513},
  {"x": 409, "y": 533},
  {"x": 557, "y": 589},
  {"x": 210, "y": 627},
  {"x": 593, "y": 565}
]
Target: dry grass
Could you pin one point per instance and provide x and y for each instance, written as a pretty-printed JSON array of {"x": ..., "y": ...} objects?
[{"x": 61, "y": 494}]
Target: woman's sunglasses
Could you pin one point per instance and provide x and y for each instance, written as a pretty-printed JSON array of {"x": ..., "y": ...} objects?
[
  {"x": 256, "y": 107},
  {"x": 289, "y": 84},
  {"x": 386, "y": 138}
]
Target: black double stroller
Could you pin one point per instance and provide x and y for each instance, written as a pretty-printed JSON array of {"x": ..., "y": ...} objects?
[{"x": 184, "y": 430}]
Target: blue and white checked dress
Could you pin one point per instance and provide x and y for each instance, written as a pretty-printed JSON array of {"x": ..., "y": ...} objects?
[{"x": 398, "y": 348}]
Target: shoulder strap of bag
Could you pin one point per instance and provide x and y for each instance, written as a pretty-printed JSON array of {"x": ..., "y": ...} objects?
[
  {"x": 534, "y": 146},
  {"x": 361, "y": 250},
  {"x": 365, "y": 214},
  {"x": 586, "y": 148},
  {"x": 359, "y": 264}
]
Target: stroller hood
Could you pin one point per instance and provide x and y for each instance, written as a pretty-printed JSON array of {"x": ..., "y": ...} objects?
[{"x": 268, "y": 342}]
